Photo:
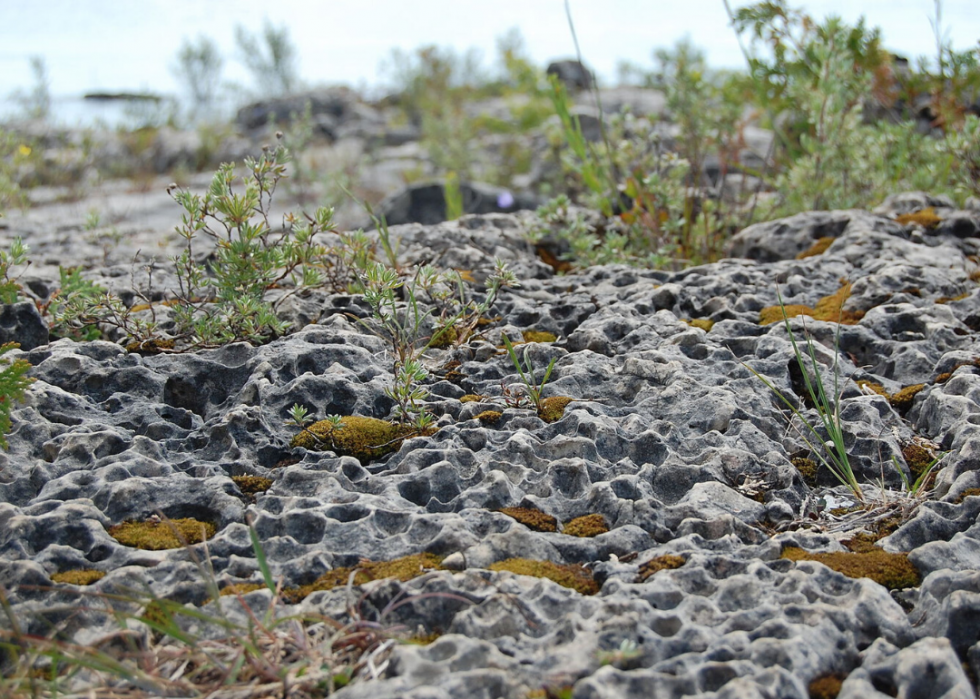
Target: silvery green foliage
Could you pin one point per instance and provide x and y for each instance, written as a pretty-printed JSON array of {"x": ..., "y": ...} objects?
[{"x": 226, "y": 300}]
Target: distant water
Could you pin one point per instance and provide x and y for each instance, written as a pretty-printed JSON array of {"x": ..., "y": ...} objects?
[{"x": 131, "y": 45}]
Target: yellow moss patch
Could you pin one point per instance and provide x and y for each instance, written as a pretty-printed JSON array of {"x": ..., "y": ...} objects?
[
  {"x": 891, "y": 570},
  {"x": 573, "y": 576},
  {"x": 424, "y": 639},
  {"x": 807, "y": 469},
  {"x": 489, "y": 417},
  {"x": 875, "y": 387},
  {"x": 655, "y": 565},
  {"x": 586, "y": 527},
  {"x": 926, "y": 218},
  {"x": 532, "y": 518},
  {"x": 704, "y": 323},
  {"x": 553, "y": 409},
  {"x": 902, "y": 400},
  {"x": 818, "y": 248},
  {"x": 240, "y": 589},
  {"x": 472, "y": 398},
  {"x": 918, "y": 458},
  {"x": 364, "y": 438},
  {"x": 444, "y": 337},
  {"x": 252, "y": 485},
  {"x": 862, "y": 542},
  {"x": 968, "y": 493},
  {"x": 82, "y": 576},
  {"x": 826, "y": 687},
  {"x": 949, "y": 299},
  {"x": 402, "y": 569},
  {"x": 151, "y": 346},
  {"x": 538, "y": 336},
  {"x": 828, "y": 308},
  {"x": 157, "y": 536}
]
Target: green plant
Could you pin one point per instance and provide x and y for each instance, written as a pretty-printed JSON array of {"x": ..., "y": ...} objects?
[
  {"x": 833, "y": 454},
  {"x": 198, "y": 69},
  {"x": 9, "y": 288},
  {"x": 36, "y": 104},
  {"x": 13, "y": 382},
  {"x": 628, "y": 650},
  {"x": 270, "y": 58},
  {"x": 454, "y": 197},
  {"x": 916, "y": 487},
  {"x": 191, "y": 652},
  {"x": 225, "y": 300},
  {"x": 526, "y": 372}
]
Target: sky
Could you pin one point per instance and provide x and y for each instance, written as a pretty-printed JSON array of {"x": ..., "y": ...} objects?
[{"x": 130, "y": 45}]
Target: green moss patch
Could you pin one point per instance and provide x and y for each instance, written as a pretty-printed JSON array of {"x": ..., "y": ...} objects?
[
  {"x": 364, "y": 438},
  {"x": 489, "y": 417},
  {"x": 573, "y": 576},
  {"x": 532, "y": 518},
  {"x": 819, "y": 247},
  {"x": 402, "y": 569},
  {"x": 240, "y": 589},
  {"x": 553, "y": 409},
  {"x": 148, "y": 347},
  {"x": 968, "y": 493},
  {"x": 655, "y": 565},
  {"x": 926, "y": 218},
  {"x": 826, "y": 687},
  {"x": 704, "y": 323},
  {"x": 472, "y": 398},
  {"x": 538, "y": 336},
  {"x": 252, "y": 485},
  {"x": 892, "y": 570},
  {"x": 587, "y": 526},
  {"x": 807, "y": 469},
  {"x": 901, "y": 400},
  {"x": 158, "y": 536},
  {"x": 81, "y": 576},
  {"x": 950, "y": 299},
  {"x": 828, "y": 308}
]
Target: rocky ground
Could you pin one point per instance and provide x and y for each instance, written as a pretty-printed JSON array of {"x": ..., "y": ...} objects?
[{"x": 695, "y": 579}]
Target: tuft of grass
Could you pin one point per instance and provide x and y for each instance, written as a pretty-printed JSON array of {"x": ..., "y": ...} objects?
[{"x": 833, "y": 454}]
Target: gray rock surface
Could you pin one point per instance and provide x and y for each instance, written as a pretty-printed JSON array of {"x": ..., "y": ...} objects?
[{"x": 671, "y": 438}]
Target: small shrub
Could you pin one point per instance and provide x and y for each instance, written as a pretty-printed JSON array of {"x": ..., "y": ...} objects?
[{"x": 13, "y": 382}]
